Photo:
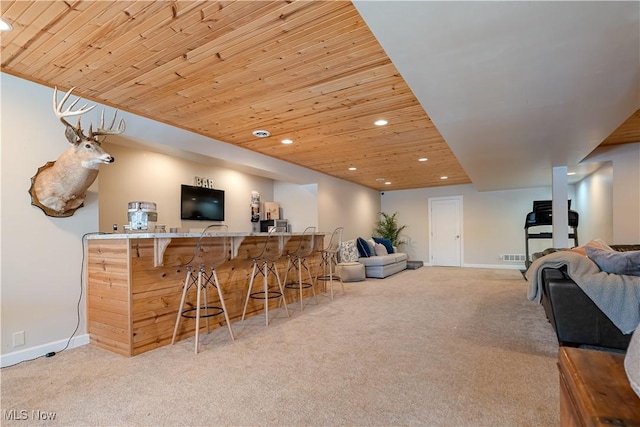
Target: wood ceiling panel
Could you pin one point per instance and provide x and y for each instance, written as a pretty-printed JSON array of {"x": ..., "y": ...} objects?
[
  {"x": 28, "y": 22},
  {"x": 310, "y": 71},
  {"x": 627, "y": 132},
  {"x": 226, "y": 75},
  {"x": 113, "y": 39},
  {"x": 173, "y": 41},
  {"x": 54, "y": 38}
]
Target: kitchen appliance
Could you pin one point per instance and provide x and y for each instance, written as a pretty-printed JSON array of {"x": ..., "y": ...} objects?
[
  {"x": 142, "y": 215},
  {"x": 267, "y": 224}
]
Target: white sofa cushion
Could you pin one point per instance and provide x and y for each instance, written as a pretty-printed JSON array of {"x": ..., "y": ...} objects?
[
  {"x": 372, "y": 246},
  {"x": 381, "y": 249}
]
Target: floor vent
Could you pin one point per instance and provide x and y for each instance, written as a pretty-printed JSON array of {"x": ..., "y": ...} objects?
[{"x": 512, "y": 257}]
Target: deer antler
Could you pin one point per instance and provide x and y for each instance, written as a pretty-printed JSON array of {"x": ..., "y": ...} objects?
[
  {"x": 57, "y": 108},
  {"x": 77, "y": 130},
  {"x": 110, "y": 130}
]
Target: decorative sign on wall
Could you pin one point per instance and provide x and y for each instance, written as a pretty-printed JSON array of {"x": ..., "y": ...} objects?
[{"x": 203, "y": 182}]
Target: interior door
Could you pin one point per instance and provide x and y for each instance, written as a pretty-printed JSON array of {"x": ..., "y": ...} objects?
[{"x": 445, "y": 231}]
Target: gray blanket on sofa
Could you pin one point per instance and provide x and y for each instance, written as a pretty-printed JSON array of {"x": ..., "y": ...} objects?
[{"x": 618, "y": 296}]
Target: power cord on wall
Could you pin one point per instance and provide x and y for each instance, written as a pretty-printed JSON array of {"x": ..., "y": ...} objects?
[{"x": 53, "y": 353}]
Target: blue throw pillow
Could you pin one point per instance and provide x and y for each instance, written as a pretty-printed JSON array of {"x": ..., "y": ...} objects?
[
  {"x": 386, "y": 242},
  {"x": 363, "y": 247}
]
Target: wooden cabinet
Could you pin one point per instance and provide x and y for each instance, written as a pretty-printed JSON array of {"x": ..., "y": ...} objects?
[{"x": 595, "y": 390}]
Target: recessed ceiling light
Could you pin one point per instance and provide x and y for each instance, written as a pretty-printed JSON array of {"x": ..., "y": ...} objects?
[
  {"x": 380, "y": 122},
  {"x": 570, "y": 173},
  {"x": 287, "y": 141},
  {"x": 5, "y": 26},
  {"x": 422, "y": 159},
  {"x": 444, "y": 177},
  {"x": 387, "y": 183},
  {"x": 261, "y": 133},
  {"x": 380, "y": 179},
  {"x": 353, "y": 168}
]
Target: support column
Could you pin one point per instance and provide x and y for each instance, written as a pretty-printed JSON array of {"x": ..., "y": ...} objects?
[{"x": 560, "y": 196}]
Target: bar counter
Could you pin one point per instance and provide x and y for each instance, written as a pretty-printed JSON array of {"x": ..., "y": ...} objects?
[{"x": 134, "y": 283}]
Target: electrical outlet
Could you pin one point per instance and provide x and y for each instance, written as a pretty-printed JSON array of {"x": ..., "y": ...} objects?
[{"x": 18, "y": 338}]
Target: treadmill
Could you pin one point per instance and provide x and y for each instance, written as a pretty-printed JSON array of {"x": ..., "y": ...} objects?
[{"x": 542, "y": 215}]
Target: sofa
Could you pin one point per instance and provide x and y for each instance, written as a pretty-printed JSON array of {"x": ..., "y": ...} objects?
[
  {"x": 574, "y": 316},
  {"x": 379, "y": 257},
  {"x": 381, "y": 266}
]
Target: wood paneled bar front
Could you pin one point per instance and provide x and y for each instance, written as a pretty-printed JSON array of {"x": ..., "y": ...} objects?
[{"x": 134, "y": 283}]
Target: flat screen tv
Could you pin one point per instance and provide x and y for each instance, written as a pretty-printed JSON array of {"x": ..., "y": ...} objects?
[{"x": 201, "y": 204}]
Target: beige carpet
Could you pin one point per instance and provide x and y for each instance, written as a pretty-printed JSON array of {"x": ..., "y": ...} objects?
[{"x": 434, "y": 346}]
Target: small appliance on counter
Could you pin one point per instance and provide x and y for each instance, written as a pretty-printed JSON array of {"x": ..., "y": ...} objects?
[
  {"x": 267, "y": 224},
  {"x": 142, "y": 215}
]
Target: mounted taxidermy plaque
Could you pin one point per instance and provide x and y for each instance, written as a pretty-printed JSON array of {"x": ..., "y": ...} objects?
[{"x": 59, "y": 188}]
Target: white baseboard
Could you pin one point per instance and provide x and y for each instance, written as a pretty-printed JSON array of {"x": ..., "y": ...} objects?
[
  {"x": 498, "y": 266},
  {"x": 39, "y": 351}
]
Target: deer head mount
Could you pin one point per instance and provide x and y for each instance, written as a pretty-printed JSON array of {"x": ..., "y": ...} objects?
[{"x": 59, "y": 188}]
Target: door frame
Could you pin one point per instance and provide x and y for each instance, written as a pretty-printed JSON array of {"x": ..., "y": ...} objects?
[{"x": 458, "y": 199}]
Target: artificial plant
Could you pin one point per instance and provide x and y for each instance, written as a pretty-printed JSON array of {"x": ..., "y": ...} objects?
[{"x": 387, "y": 227}]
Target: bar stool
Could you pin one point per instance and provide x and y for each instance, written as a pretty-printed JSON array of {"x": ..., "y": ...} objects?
[
  {"x": 210, "y": 253},
  {"x": 297, "y": 260},
  {"x": 264, "y": 264},
  {"x": 329, "y": 261}
]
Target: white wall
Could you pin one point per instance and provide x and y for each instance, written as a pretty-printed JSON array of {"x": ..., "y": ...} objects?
[
  {"x": 299, "y": 204},
  {"x": 626, "y": 190},
  {"x": 594, "y": 198},
  {"x": 608, "y": 202},
  {"x": 142, "y": 175},
  {"x": 493, "y": 221},
  {"x": 353, "y": 207},
  {"x": 41, "y": 255},
  {"x": 139, "y": 174}
]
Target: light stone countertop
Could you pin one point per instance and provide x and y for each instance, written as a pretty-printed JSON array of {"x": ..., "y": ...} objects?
[
  {"x": 144, "y": 235},
  {"x": 162, "y": 240}
]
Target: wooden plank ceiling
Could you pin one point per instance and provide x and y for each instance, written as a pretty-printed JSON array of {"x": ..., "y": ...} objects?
[
  {"x": 628, "y": 132},
  {"x": 307, "y": 71}
]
